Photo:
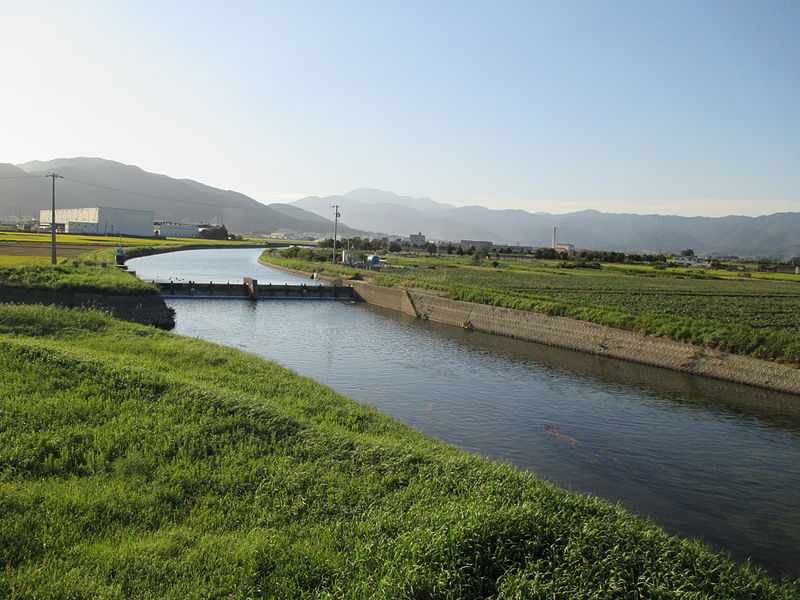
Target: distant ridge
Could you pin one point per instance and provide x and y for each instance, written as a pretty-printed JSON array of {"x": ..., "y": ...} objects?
[
  {"x": 101, "y": 182},
  {"x": 365, "y": 211},
  {"x": 775, "y": 236}
]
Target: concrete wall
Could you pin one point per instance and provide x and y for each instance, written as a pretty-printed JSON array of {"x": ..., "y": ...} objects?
[
  {"x": 179, "y": 230},
  {"x": 396, "y": 299},
  {"x": 125, "y": 221},
  {"x": 65, "y": 215},
  {"x": 80, "y": 227},
  {"x": 584, "y": 337},
  {"x": 608, "y": 341},
  {"x": 110, "y": 221},
  {"x": 147, "y": 310}
]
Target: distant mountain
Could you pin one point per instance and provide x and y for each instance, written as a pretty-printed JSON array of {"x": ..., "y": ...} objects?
[
  {"x": 100, "y": 182},
  {"x": 775, "y": 235},
  {"x": 370, "y": 196},
  {"x": 364, "y": 211}
]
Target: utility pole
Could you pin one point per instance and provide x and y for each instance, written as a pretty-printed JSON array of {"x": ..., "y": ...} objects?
[
  {"x": 335, "y": 225},
  {"x": 53, "y": 259}
]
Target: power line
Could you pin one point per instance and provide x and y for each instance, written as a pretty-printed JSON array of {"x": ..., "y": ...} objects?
[{"x": 24, "y": 176}]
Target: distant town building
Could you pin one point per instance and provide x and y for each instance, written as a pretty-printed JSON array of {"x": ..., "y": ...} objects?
[
  {"x": 177, "y": 230},
  {"x": 417, "y": 239},
  {"x": 102, "y": 220},
  {"x": 689, "y": 261},
  {"x": 561, "y": 246},
  {"x": 19, "y": 220},
  {"x": 478, "y": 245},
  {"x": 513, "y": 248}
]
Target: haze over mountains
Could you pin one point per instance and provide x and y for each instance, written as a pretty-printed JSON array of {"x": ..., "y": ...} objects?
[
  {"x": 776, "y": 235},
  {"x": 99, "y": 182}
]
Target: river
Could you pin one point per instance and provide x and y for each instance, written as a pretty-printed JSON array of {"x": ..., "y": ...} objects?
[{"x": 703, "y": 458}]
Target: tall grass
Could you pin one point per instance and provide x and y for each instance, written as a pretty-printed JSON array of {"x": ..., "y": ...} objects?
[
  {"x": 138, "y": 464},
  {"x": 69, "y": 278}
]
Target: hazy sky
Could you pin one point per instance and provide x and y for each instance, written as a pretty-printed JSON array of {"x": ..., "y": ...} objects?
[{"x": 679, "y": 107}]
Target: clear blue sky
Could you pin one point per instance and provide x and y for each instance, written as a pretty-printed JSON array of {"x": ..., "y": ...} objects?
[{"x": 671, "y": 107}]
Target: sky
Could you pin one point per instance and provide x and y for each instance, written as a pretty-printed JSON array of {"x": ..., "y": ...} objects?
[{"x": 669, "y": 107}]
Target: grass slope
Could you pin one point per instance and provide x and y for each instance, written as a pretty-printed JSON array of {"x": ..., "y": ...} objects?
[
  {"x": 139, "y": 464},
  {"x": 69, "y": 278}
]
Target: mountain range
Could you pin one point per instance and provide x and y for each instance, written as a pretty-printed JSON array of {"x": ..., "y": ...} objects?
[
  {"x": 367, "y": 212},
  {"x": 98, "y": 182},
  {"x": 776, "y": 235}
]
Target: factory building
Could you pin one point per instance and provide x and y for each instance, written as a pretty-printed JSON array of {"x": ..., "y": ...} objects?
[
  {"x": 178, "y": 230},
  {"x": 101, "y": 220},
  {"x": 417, "y": 239},
  {"x": 561, "y": 247},
  {"x": 479, "y": 245}
]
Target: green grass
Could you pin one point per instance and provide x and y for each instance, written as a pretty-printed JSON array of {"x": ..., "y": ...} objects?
[
  {"x": 112, "y": 240},
  {"x": 139, "y": 464},
  {"x": 755, "y": 316},
  {"x": 9, "y": 260},
  {"x": 72, "y": 278}
]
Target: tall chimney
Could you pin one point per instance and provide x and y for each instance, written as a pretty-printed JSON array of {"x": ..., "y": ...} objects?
[{"x": 554, "y": 237}]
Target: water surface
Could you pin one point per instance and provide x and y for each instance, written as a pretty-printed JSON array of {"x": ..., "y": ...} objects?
[{"x": 703, "y": 458}]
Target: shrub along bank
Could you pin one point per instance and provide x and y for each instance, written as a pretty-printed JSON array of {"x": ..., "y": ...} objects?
[{"x": 139, "y": 464}]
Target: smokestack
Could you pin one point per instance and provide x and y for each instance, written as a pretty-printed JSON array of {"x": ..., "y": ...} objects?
[{"x": 554, "y": 237}]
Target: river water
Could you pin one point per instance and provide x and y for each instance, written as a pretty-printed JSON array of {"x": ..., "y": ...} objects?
[{"x": 702, "y": 458}]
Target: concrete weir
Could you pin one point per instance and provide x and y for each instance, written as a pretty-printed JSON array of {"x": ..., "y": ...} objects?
[{"x": 251, "y": 289}]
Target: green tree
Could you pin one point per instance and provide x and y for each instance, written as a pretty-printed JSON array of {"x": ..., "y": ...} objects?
[
  {"x": 395, "y": 247},
  {"x": 431, "y": 248}
]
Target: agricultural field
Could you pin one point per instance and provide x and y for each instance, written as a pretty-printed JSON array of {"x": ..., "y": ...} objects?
[
  {"x": 751, "y": 301},
  {"x": 742, "y": 314},
  {"x": 135, "y": 463},
  {"x": 34, "y": 248}
]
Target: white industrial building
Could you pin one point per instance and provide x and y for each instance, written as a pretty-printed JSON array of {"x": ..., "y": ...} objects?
[
  {"x": 102, "y": 220},
  {"x": 479, "y": 245},
  {"x": 561, "y": 247},
  {"x": 178, "y": 230}
]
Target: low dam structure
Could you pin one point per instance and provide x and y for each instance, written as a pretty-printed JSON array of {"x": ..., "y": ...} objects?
[{"x": 253, "y": 290}]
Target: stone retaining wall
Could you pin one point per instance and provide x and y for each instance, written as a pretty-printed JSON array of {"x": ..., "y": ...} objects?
[
  {"x": 393, "y": 298},
  {"x": 608, "y": 341},
  {"x": 582, "y": 336},
  {"x": 304, "y": 274},
  {"x": 147, "y": 310}
]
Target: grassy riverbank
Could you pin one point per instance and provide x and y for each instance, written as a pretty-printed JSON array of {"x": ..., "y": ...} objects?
[
  {"x": 139, "y": 464},
  {"x": 741, "y": 315},
  {"x": 75, "y": 278},
  {"x": 18, "y": 247}
]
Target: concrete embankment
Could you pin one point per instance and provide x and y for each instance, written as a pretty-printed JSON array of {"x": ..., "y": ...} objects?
[
  {"x": 582, "y": 336},
  {"x": 147, "y": 310}
]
